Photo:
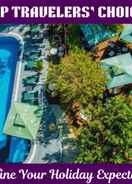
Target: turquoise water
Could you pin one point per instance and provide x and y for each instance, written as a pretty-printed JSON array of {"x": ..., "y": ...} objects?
[{"x": 9, "y": 48}]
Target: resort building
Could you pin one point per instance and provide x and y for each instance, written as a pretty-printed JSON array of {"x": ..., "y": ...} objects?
[
  {"x": 126, "y": 34},
  {"x": 31, "y": 127},
  {"x": 118, "y": 70},
  {"x": 114, "y": 51}
]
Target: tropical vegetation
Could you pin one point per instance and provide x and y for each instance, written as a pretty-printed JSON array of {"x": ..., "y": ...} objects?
[
  {"x": 38, "y": 65},
  {"x": 104, "y": 131},
  {"x": 78, "y": 78},
  {"x": 108, "y": 134},
  {"x": 115, "y": 27}
]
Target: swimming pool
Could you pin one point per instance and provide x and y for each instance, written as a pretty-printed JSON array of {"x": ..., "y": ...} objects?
[
  {"x": 9, "y": 48},
  {"x": 9, "y": 52}
]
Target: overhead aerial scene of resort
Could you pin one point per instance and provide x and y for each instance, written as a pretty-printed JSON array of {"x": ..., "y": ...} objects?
[{"x": 66, "y": 93}]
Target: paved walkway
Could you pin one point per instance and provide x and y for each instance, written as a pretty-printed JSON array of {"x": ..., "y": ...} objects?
[
  {"x": 53, "y": 147},
  {"x": 46, "y": 148},
  {"x": 56, "y": 146}
]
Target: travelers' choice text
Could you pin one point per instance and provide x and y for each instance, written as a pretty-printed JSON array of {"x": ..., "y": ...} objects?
[{"x": 66, "y": 11}]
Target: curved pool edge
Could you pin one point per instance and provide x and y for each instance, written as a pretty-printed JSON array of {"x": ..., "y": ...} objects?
[
  {"x": 18, "y": 66},
  {"x": 31, "y": 154},
  {"x": 20, "y": 40},
  {"x": 16, "y": 85}
]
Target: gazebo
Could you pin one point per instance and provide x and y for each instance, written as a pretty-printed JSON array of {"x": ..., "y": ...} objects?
[
  {"x": 118, "y": 70},
  {"x": 23, "y": 121}
]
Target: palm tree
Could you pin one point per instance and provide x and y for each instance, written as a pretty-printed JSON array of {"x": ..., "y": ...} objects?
[{"x": 38, "y": 66}]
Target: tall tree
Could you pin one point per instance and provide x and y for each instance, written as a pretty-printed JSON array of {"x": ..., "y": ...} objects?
[
  {"x": 108, "y": 135},
  {"x": 77, "y": 78}
]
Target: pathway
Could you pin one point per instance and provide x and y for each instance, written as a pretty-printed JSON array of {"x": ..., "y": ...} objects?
[
  {"x": 45, "y": 148},
  {"x": 56, "y": 146}
]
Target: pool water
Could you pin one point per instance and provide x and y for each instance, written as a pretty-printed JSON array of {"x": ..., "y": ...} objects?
[
  {"x": 8, "y": 57},
  {"x": 9, "y": 49}
]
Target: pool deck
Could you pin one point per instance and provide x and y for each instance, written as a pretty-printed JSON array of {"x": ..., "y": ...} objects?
[
  {"x": 20, "y": 72},
  {"x": 44, "y": 145},
  {"x": 16, "y": 96}
]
